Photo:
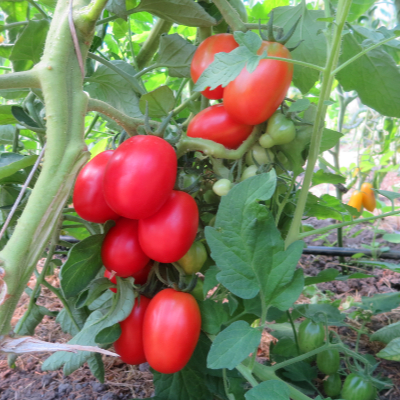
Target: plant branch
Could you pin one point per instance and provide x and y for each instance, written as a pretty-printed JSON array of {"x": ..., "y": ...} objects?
[
  {"x": 12, "y": 25},
  {"x": 183, "y": 105},
  {"x": 20, "y": 80},
  {"x": 128, "y": 123},
  {"x": 38, "y": 8},
  {"x": 211, "y": 148},
  {"x": 296, "y": 62},
  {"x": 94, "y": 10},
  {"x": 230, "y": 15}
]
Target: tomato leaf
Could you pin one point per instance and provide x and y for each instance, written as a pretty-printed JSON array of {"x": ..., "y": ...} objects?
[
  {"x": 83, "y": 264},
  {"x": 160, "y": 102},
  {"x": 233, "y": 345},
  {"x": 380, "y": 303},
  {"x": 10, "y": 163},
  {"x": 326, "y": 177},
  {"x": 271, "y": 390},
  {"x": 391, "y": 351},
  {"x": 96, "y": 365},
  {"x": 321, "y": 313},
  {"x": 212, "y": 316},
  {"x": 329, "y": 139},
  {"x": 65, "y": 321},
  {"x": 387, "y": 333},
  {"x": 108, "y": 335}
]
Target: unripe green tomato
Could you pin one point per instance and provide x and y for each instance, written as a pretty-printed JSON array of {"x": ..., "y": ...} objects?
[
  {"x": 197, "y": 292},
  {"x": 328, "y": 361},
  {"x": 222, "y": 187},
  {"x": 210, "y": 197},
  {"x": 280, "y": 129},
  {"x": 249, "y": 172},
  {"x": 266, "y": 141},
  {"x": 333, "y": 385},
  {"x": 282, "y": 158},
  {"x": 311, "y": 335},
  {"x": 194, "y": 259},
  {"x": 356, "y": 387},
  {"x": 260, "y": 155}
]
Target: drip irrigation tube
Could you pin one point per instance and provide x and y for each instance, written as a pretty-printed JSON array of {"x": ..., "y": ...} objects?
[{"x": 347, "y": 252}]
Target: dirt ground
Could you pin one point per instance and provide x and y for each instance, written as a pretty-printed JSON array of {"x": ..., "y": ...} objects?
[{"x": 122, "y": 382}]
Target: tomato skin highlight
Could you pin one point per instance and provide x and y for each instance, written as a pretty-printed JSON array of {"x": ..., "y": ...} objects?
[
  {"x": 214, "y": 123},
  {"x": 328, "y": 361},
  {"x": 355, "y": 387},
  {"x": 129, "y": 346},
  {"x": 167, "y": 235},
  {"x": 140, "y": 176},
  {"x": 251, "y": 98},
  {"x": 368, "y": 196},
  {"x": 171, "y": 330},
  {"x": 204, "y": 56},
  {"x": 333, "y": 385},
  {"x": 88, "y": 198},
  {"x": 311, "y": 335},
  {"x": 121, "y": 251},
  {"x": 356, "y": 200}
]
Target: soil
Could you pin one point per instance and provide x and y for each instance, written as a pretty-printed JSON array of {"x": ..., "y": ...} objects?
[{"x": 122, "y": 382}]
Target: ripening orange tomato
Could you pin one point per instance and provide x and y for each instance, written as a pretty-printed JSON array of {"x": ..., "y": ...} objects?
[
  {"x": 368, "y": 197},
  {"x": 356, "y": 200}
]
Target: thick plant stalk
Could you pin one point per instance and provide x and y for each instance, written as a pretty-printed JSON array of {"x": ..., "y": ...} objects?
[{"x": 59, "y": 76}]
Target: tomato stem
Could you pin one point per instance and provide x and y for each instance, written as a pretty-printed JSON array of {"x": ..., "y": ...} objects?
[{"x": 230, "y": 15}]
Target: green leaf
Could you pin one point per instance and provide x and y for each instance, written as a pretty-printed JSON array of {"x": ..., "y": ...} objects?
[
  {"x": 313, "y": 48},
  {"x": 96, "y": 322},
  {"x": 321, "y": 313},
  {"x": 391, "y": 237},
  {"x": 182, "y": 12},
  {"x": 233, "y": 345},
  {"x": 10, "y": 163},
  {"x": 96, "y": 365},
  {"x": 160, "y": 102},
  {"x": 34, "y": 318},
  {"x": 107, "y": 85},
  {"x": 212, "y": 316},
  {"x": 374, "y": 76},
  {"x": 357, "y": 8},
  {"x": 300, "y": 372},
  {"x": 83, "y": 264},
  {"x": 23, "y": 118},
  {"x": 6, "y": 116},
  {"x": 391, "y": 351},
  {"x": 329, "y": 139},
  {"x": 381, "y": 303},
  {"x": 5, "y": 50},
  {"x": 95, "y": 289},
  {"x": 269, "y": 390},
  {"x": 118, "y": 7},
  {"x": 299, "y": 105},
  {"x": 108, "y": 335},
  {"x": 331, "y": 274},
  {"x": 29, "y": 46},
  {"x": 7, "y": 133},
  {"x": 387, "y": 333},
  {"x": 65, "y": 321},
  {"x": 390, "y": 195},
  {"x": 381, "y": 264},
  {"x": 175, "y": 50},
  {"x": 210, "y": 279},
  {"x": 326, "y": 177}
]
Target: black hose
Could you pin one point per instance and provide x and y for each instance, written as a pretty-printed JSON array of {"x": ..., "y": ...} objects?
[{"x": 347, "y": 252}]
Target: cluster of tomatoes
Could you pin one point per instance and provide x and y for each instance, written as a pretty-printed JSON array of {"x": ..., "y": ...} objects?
[
  {"x": 311, "y": 335},
  {"x": 365, "y": 197},
  {"x": 250, "y": 99},
  {"x": 133, "y": 185}
]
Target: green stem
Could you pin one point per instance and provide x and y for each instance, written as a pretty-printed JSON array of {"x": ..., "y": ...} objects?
[
  {"x": 183, "y": 105},
  {"x": 12, "y": 25},
  {"x": 361, "y": 53},
  {"x": 230, "y": 15},
  {"x": 129, "y": 38},
  {"x": 217, "y": 150},
  {"x": 81, "y": 221},
  {"x": 296, "y": 62},
  {"x": 296, "y": 340},
  {"x": 180, "y": 90},
  {"x": 245, "y": 371},
  {"x": 284, "y": 201},
  {"x": 38, "y": 8},
  {"x": 152, "y": 42},
  {"x": 93, "y": 11},
  {"x": 5, "y": 68},
  {"x": 135, "y": 85},
  {"x": 328, "y": 78},
  {"x": 92, "y": 124},
  {"x": 347, "y": 223},
  {"x": 230, "y": 396},
  {"x": 15, "y": 141},
  {"x": 20, "y": 80}
]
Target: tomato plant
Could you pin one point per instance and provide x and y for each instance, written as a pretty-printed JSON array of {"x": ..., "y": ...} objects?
[
  {"x": 121, "y": 251},
  {"x": 328, "y": 361},
  {"x": 204, "y": 56},
  {"x": 167, "y": 235},
  {"x": 252, "y": 98},
  {"x": 356, "y": 387},
  {"x": 140, "y": 176},
  {"x": 88, "y": 196},
  {"x": 215, "y": 124},
  {"x": 129, "y": 345},
  {"x": 171, "y": 329},
  {"x": 368, "y": 196}
]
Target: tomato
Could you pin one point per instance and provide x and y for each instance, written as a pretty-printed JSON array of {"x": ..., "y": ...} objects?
[
  {"x": 328, "y": 361},
  {"x": 249, "y": 172},
  {"x": 368, "y": 197},
  {"x": 280, "y": 130},
  {"x": 210, "y": 197},
  {"x": 222, "y": 187},
  {"x": 88, "y": 196},
  {"x": 194, "y": 259},
  {"x": 333, "y": 385},
  {"x": 251, "y": 98},
  {"x": 121, "y": 251},
  {"x": 214, "y": 123},
  {"x": 140, "y": 176},
  {"x": 259, "y": 155},
  {"x": 171, "y": 330},
  {"x": 140, "y": 276},
  {"x": 356, "y": 387},
  {"x": 167, "y": 235},
  {"x": 311, "y": 335},
  {"x": 356, "y": 200},
  {"x": 198, "y": 292},
  {"x": 204, "y": 56},
  {"x": 129, "y": 346}
]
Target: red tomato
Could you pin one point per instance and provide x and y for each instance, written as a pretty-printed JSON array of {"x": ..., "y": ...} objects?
[
  {"x": 140, "y": 176},
  {"x": 214, "y": 123},
  {"x": 167, "y": 236},
  {"x": 121, "y": 251},
  {"x": 171, "y": 329},
  {"x": 88, "y": 195},
  {"x": 253, "y": 97},
  {"x": 129, "y": 346},
  {"x": 204, "y": 56},
  {"x": 140, "y": 276}
]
